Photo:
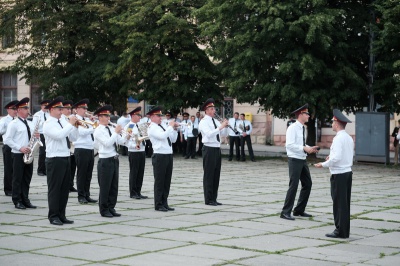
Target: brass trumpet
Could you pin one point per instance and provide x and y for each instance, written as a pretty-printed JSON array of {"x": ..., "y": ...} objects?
[{"x": 85, "y": 124}]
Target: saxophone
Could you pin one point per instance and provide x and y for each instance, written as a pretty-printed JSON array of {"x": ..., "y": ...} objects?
[{"x": 33, "y": 144}]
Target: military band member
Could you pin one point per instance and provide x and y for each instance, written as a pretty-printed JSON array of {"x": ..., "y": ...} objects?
[
  {"x": 137, "y": 155},
  {"x": 339, "y": 161},
  {"x": 106, "y": 139},
  {"x": 297, "y": 150},
  {"x": 66, "y": 113},
  {"x": 18, "y": 136},
  {"x": 211, "y": 130},
  {"x": 191, "y": 140},
  {"x": 84, "y": 154},
  {"x": 7, "y": 158},
  {"x": 58, "y": 133},
  {"x": 245, "y": 138},
  {"x": 234, "y": 138},
  {"x": 162, "y": 137},
  {"x": 183, "y": 138},
  {"x": 43, "y": 114},
  {"x": 199, "y": 137},
  {"x": 149, "y": 147}
]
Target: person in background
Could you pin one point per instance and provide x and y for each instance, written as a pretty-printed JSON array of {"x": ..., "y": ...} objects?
[
  {"x": 123, "y": 121},
  {"x": 245, "y": 138},
  {"x": 191, "y": 137},
  {"x": 7, "y": 158},
  {"x": 234, "y": 137},
  {"x": 43, "y": 114},
  {"x": 340, "y": 161},
  {"x": 396, "y": 143}
]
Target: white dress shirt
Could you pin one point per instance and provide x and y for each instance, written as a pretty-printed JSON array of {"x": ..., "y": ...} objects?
[
  {"x": 341, "y": 154},
  {"x": 123, "y": 121},
  {"x": 105, "y": 142},
  {"x": 234, "y": 123},
  {"x": 294, "y": 141},
  {"x": 245, "y": 123},
  {"x": 159, "y": 138},
  {"x": 17, "y": 136},
  {"x": 4, "y": 123},
  {"x": 196, "y": 122},
  {"x": 131, "y": 143},
  {"x": 84, "y": 140},
  {"x": 188, "y": 132},
  {"x": 209, "y": 132},
  {"x": 43, "y": 117},
  {"x": 56, "y": 136}
]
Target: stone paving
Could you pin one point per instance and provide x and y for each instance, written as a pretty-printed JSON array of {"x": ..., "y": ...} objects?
[{"x": 245, "y": 230}]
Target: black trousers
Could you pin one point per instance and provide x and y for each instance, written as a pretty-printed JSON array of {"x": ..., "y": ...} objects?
[
  {"x": 183, "y": 146},
  {"x": 148, "y": 149},
  {"x": 191, "y": 147},
  {"x": 42, "y": 156},
  {"x": 73, "y": 169},
  {"x": 177, "y": 145},
  {"x": 200, "y": 150},
  {"x": 108, "y": 176},
  {"x": 234, "y": 141},
  {"x": 247, "y": 140},
  {"x": 341, "y": 195},
  {"x": 58, "y": 179},
  {"x": 212, "y": 172},
  {"x": 298, "y": 171},
  {"x": 84, "y": 163},
  {"x": 137, "y": 162},
  {"x": 8, "y": 168},
  {"x": 22, "y": 176},
  {"x": 162, "y": 168}
]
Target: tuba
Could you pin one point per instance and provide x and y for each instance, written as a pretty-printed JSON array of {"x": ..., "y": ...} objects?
[{"x": 33, "y": 144}]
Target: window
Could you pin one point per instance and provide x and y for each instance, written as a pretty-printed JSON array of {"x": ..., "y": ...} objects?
[
  {"x": 8, "y": 38},
  {"x": 8, "y": 89}
]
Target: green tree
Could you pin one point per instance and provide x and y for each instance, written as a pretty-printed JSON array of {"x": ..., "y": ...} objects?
[
  {"x": 64, "y": 46},
  {"x": 161, "y": 61}
]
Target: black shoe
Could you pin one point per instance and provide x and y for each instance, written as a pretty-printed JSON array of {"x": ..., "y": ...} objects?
[
  {"x": 56, "y": 222},
  {"x": 107, "y": 214},
  {"x": 90, "y": 200},
  {"x": 303, "y": 214},
  {"x": 72, "y": 189},
  {"x": 162, "y": 209},
  {"x": 136, "y": 196},
  {"x": 169, "y": 208},
  {"x": 333, "y": 235},
  {"x": 8, "y": 193},
  {"x": 29, "y": 205},
  {"x": 66, "y": 221},
  {"x": 253, "y": 160},
  {"x": 186, "y": 157},
  {"x": 143, "y": 197},
  {"x": 218, "y": 203},
  {"x": 114, "y": 213},
  {"x": 230, "y": 159},
  {"x": 83, "y": 201},
  {"x": 40, "y": 174},
  {"x": 287, "y": 216},
  {"x": 212, "y": 203},
  {"x": 194, "y": 158},
  {"x": 20, "y": 206}
]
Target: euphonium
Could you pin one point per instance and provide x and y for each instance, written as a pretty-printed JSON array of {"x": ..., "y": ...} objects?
[{"x": 33, "y": 144}]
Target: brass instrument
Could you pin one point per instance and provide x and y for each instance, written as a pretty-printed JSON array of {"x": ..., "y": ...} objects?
[
  {"x": 221, "y": 120},
  {"x": 33, "y": 144},
  {"x": 188, "y": 124},
  {"x": 84, "y": 123}
]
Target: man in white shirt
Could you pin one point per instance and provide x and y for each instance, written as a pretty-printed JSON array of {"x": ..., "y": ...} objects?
[
  {"x": 149, "y": 148},
  {"x": 136, "y": 154},
  {"x": 245, "y": 138},
  {"x": 162, "y": 136},
  {"x": 108, "y": 163},
  {"x": 234, "y": 138},
  {"x": 84, "y": 154},
  {"x": 7, "y": 158},
  {"x": 190, "y": 139},
  {"x": 123, "y": 121},
  {"x": 19, "y": 133},
  {"x": 297, "y": 151},
  {"x": 212, "y": 131},
  {"x": 58, "y": 133},
  {"x": 43, "y": 114},
  {"x": 339, "y": 161},
  {"x": 199, "y": 137},
  {"x": 182, "y": 129}
]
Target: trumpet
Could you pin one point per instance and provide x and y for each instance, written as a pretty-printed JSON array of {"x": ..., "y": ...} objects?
[
  {"x": 84, "y": 123},
  {"x": 183, "y": 124},
  {"x": 88, "y": 114},
  {"x": 221, "y": 120}
]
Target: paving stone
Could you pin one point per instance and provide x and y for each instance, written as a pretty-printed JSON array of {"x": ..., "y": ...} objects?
[
  {"x": 382, "y": 240},
  {"x": 162, "y": 223},
  {"x": 20, "y": 229},
  {"x": 384, "y": 215},
  {"x": 121, "y": 229},
  {"x": 25, "y": 243},
  {"x": 73, "y": 235},
  {"x": 184, "y": 235},
  {"x": 285, "y": 260},
  {"x": 385, "y": 261},
  {"x": 36, "y": 259},
  {"x": 375, "y": 224},
  {"x": 228, "y": 231},
  {"x": 4, "y": 252}
]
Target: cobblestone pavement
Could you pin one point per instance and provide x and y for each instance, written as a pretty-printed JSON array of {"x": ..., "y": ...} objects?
[{"x": 245, "y": 230}]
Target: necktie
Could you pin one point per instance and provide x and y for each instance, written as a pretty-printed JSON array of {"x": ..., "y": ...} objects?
[
  {"x": 234, "y": 127},
  {"x": 90, "y": 134},
  {"x": 304, "y": 140},
  {"x": 44, "y": 115},
  {"x": 68, "y": 144},
  {"x": 244, "y": 126},
  {"x": 215, "y": 125},
  {"x": 27, "y": 128},
  {"x": 169, "y": 141},
  {"x": 109, "y": 132}
]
